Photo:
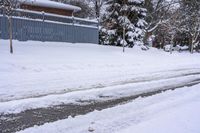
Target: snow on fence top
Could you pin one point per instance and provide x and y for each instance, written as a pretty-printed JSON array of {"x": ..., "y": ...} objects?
[{"x": 51, "y": 4}]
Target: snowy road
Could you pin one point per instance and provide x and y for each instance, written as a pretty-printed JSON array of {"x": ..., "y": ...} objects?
[
  {"x": 139, "y": 85},
  {"x": 173, "y": 111},
  {"x": 15, "y": 122}
]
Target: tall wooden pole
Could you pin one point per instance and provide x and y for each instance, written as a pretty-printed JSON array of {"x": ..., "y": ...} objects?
[
  {"x": 10, "y": 34},
  {"x": 123, "y": 39},
  {"x": 124, "y": 29}
]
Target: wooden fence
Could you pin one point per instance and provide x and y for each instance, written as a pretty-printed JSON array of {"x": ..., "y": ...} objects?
[{"x": 29, "y": 25}]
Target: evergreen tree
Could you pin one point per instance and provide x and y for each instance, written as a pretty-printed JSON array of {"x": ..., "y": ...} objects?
[{"x": 128, "y": 14}]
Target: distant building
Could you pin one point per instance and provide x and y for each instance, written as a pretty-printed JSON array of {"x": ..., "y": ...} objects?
[{"x": 48, "y": 7}]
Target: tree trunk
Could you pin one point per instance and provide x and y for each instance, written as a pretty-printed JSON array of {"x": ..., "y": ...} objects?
[
  {"x": 146, "y": 37},
  {"x": 191, "y": 43},
  {"x": 10, "y": 33},
  {"x": 172, "y": 43},
  {"x": 192, "y": 48}
]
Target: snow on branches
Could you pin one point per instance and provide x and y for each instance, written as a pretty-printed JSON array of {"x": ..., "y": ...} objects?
[{"x": 120, "y": 14}]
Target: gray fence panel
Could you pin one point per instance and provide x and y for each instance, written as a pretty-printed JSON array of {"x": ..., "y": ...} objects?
[
  {"x": 4, "y": 27},
  {"x": 48, "y": 27},
  {"x": 38, "y": 30},
  {"x": 1, "y": 26}
]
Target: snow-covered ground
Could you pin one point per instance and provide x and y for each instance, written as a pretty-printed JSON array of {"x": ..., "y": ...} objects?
[
  {"x": 43, "y": 74},
  {"x": 55, "y": 72},
  {"x": 170, "y": 112}
]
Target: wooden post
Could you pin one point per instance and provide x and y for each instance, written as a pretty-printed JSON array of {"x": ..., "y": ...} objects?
[
  {"x": 123, "y": 39},
  {"x": 74, "y": 30},
  {"x": 43, "y": 27},
  {"x": 4, "y": 11},
  {"x": 124, "y": 29},
  {"x": 10, "y": 33}
]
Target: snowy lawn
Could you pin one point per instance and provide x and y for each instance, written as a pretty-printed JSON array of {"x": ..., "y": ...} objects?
[
  {"x": 170, "y": 112},
  {"x": 42, "y": 68},
  {"x": 44, "y": 71},
  {"x": 38, "y": 68}
]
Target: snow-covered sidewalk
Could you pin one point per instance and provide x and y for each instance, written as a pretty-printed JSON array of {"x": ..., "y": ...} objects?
[{"x": 173, "y": 111}]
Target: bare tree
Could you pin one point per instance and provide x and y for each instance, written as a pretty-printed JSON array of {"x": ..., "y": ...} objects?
[
  {"x": 97, "y": 4},
  {"x": 189, "y": 21},
  {"x": 86, "y": 10},
  {"x": 157, "y": 15},
  {"x": 177, "y": 16}
]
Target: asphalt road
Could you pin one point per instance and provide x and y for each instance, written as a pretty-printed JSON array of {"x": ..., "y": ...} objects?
[{"x": 16, "y": 122}]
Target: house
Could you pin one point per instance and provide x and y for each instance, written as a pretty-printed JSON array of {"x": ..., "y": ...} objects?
[{"x": 48, "y": 6}]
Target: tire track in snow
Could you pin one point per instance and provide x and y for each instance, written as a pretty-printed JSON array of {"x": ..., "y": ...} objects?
[
  {"x": 159, "y": 75},
  {"x": 16, "y": 122}
]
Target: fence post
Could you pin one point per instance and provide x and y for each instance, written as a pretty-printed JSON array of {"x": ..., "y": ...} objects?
[
  {"x": 4, "y": 12},
  {"x": 43, "y": 25},
  {"x": 1, "y": 28},
  {"x": 98, "y": 28},
  {"x": 74, "y": 30}
]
